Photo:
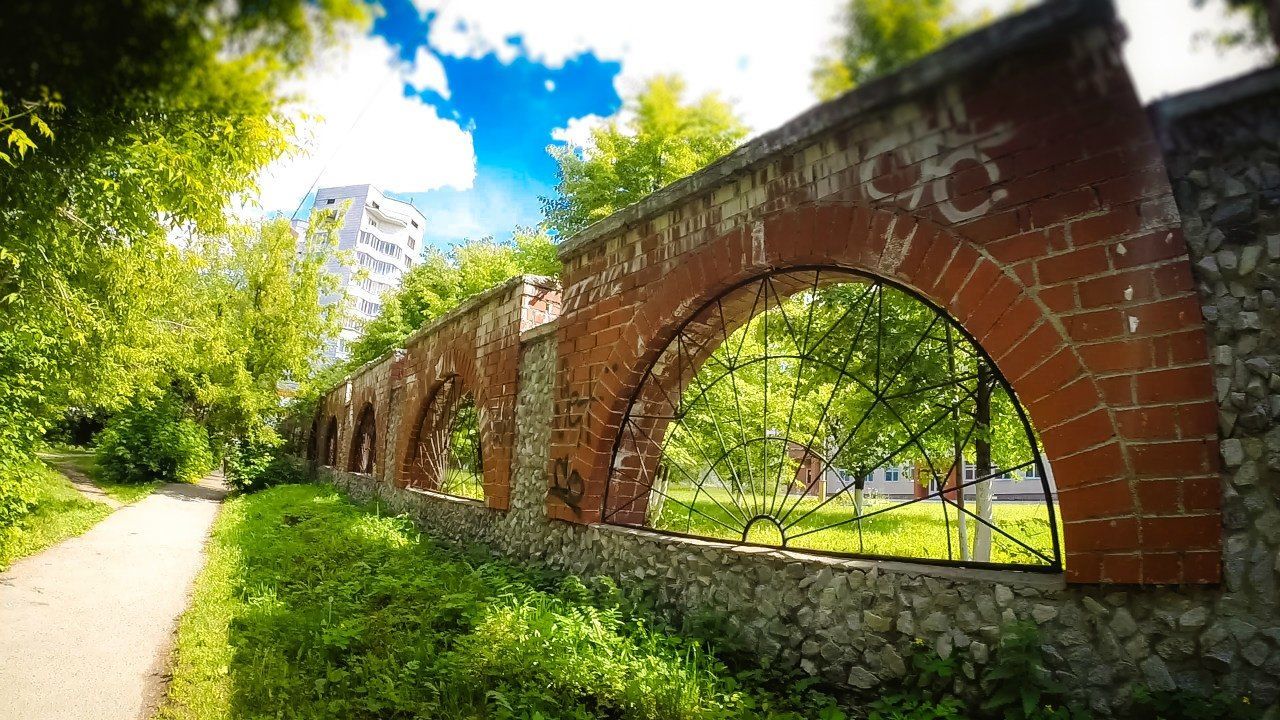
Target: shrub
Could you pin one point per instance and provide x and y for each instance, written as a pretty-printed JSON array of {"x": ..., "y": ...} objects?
[
  {"x": 156, "y": 442},
  {"x": 17, "y": 495},
  {"x": 256, "y": 465}
]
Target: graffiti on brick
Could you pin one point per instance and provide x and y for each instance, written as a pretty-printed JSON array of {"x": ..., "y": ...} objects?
[
  {"x": 567, "y": 485},
  {"x": 573, "y": 408}
]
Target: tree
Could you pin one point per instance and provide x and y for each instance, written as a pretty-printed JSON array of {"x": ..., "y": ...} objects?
[
  {"x": 253, "y": 317},
  {"x": 1263, "y": 24},
  {"x": 656, "y": 140},
  {"x": 153, "y": 114},
  {"x": 881, "y": 36},
  {"x": 443, "y": 280}
]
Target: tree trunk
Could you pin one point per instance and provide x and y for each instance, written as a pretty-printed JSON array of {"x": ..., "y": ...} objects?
[{"x": 982, "y": 461}]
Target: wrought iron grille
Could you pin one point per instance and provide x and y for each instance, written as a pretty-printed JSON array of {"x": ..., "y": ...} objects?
[
  {"x": 364, "y": 445},
  {"x": 830, "y": 411},
  {"x": 446, "y": 455}
]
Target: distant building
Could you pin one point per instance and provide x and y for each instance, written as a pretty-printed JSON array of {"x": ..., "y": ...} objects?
[{"x": 385, "y": 237}]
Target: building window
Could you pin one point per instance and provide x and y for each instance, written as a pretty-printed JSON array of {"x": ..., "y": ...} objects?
[
  {"x": 413, "y": 243},
  {"x": 413, "y": 223},
  {"x": 375, "y": 205},
  {"x": 382, "y": 246},
  {"x": 376, "y": 266},
  {"x": 329, "y": 201},
  {"x": 368, "y": 307},
  {"x": 373, "y": 223},
  {"x": 892, "y": 474}
]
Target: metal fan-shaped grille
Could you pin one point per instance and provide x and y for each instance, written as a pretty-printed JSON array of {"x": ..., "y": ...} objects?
[
  {"x": 446, "y": 454},
  {"x": 825, "y": 410}
]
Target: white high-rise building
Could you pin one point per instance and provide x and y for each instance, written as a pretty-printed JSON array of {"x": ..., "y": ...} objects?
[{"x": 384, "y": 235}]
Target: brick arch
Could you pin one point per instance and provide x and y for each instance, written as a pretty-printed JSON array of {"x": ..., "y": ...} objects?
[
  {"x": 1118, "y": 525},
  {"x": 423, "y": 386},
  {"x": 328, "y": 450},
  {"x": 365, "y": 421}
]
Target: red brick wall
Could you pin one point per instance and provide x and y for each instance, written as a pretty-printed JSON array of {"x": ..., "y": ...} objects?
[
  {"x": 479, "y": 344},
  {"x": 1030, "y": 201}
]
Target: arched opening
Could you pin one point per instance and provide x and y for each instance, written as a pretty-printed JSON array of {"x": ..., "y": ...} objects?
[
  {"x": 329, "y": 448},
  {"x": 364, "y": 443},
  {"x": 822, "y": 409},
  {"x": 445, "y": 453},
  {"x": 313, "y": 441}
]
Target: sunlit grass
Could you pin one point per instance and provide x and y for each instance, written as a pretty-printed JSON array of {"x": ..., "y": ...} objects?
[
  {"x": 921, "y": 530},
  {"x": 60, "y": 512},
  {"x": 312, "y": 607},
  {"x": 463, "y": 483},
  {"x": 86, "y": 463}
]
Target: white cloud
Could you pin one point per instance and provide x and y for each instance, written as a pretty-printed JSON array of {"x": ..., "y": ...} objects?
[
  {"x": 428, "y": 73},
  {"x": 760, "y": 57},
  {"x": 748, "y": 51},
  {"x": 578, "y": 132},
  {"x": 359, "y": 127}
]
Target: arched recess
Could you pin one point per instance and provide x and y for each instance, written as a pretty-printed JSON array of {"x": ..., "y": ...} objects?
[
  {"x": 1118, "y": 525},
  {"x": 313, "y": 440},
  {"x": 445, "y": 451},
  {"x": 329, "y": 443},
  {"x": 363, "y": 457},
  {"x": 776, "y": 410}
]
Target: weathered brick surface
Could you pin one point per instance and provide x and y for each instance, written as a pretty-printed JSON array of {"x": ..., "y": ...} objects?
[
  {"x": 478, "y": 345},
  {"x": 1029, "y": 200}
]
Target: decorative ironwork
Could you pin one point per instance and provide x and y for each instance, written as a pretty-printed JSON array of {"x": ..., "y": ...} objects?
[
  {"x": 445, "y": 455},
  {"x": 826, "y": 410},
  {"x": 329, "y": 455},
  {"x": 364, "y": 444}
]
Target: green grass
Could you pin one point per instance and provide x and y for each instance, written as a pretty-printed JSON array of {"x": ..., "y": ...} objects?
[
  {"x": 84, "y": 462},
  {"x": 312, "y": 607},
  {"x": 913, "y": 531},
  {"x": 60, "y": 512}
]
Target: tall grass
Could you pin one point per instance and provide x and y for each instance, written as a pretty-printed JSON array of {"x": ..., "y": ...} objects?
[{"x": 311, "y": 607}]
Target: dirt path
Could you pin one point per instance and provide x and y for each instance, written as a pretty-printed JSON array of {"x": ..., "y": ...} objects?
[
  {"x": 86, "y": 486},
  {"x": 86, "y": 626}
]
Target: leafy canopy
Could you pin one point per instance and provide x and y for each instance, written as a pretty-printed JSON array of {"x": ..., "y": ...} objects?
[
  {"x": 881, "y": 36},
  {"x": 656, "y": 140},
  {"x": 445, "y": 279},
  {"x": 152, "y": 114}
]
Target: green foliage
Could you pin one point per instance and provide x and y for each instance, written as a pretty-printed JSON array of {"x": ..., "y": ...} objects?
[
  {"x": 1018, "y": 686},
  {"x": 657, "y": 140},
  {"x": 444, "y": 280},
  {"x": 881, "y": 36},
  {"x": 154, "y": 442},
  {"x": 1182, "y": 705},
  {"x": 54, "y": 511},
  {"x": 46, "y": 104},
  {"x": 252, "y": 466},
  {"x": 312, "y": 608},
  {"x": 251, "y": 315},
  {"x": 153, "y": 114},
  {"x": 1262, "y": 29},
  {"x": 17, "y": 495}
]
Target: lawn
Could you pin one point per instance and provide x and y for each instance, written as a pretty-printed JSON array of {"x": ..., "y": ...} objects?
[
  {"x": 919, "y": 530},
  {"x": 60, "y": 512},
  {"x": 312, "y": 607},
  {"x": 84, "y": 462}
]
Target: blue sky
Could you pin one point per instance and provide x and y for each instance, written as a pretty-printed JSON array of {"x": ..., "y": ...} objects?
[
  {"x": 511, "y": 109},
  {"x": 452, "y": 103}
]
